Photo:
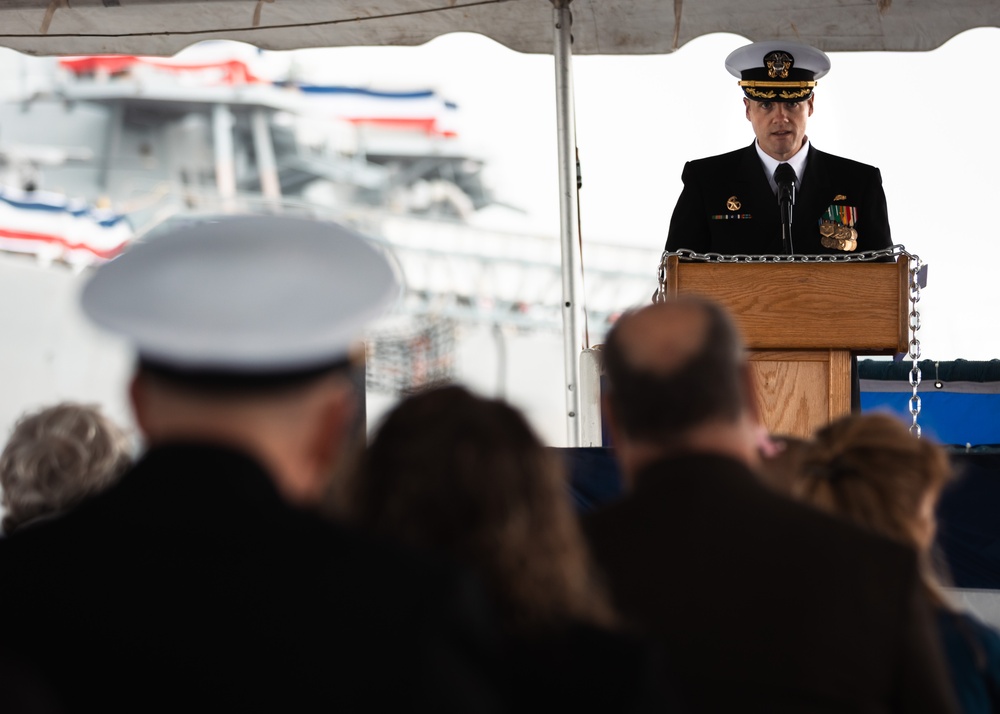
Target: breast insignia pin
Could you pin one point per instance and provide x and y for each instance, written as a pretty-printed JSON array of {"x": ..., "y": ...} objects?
[
  {"x": 733, "y": 203},
  {"x": 840, "y": 197}
]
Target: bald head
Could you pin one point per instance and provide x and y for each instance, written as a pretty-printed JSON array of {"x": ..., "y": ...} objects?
[
  {"x": 662, "y": 338},
  {"x": 672, "y": 367}
]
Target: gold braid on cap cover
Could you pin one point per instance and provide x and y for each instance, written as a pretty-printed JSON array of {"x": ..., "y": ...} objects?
[
  {"x": 777, "y": 85},
  {"x": 748, "y": 87}
]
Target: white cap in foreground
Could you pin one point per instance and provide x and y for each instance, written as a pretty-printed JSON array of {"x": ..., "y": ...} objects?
[{"x": 243, "y": 294}]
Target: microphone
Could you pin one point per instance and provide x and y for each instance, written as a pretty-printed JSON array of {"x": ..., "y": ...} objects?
[{"x": 785, "y": 177}]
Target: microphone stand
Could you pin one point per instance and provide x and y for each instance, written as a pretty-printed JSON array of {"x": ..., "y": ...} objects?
[
  {"x": 785, "y": 178},
  {"x": 786, "y": 196}
]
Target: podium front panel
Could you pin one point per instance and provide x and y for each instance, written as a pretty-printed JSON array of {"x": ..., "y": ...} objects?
[
  {"x": 855, "y": 306},
  {"x": 798, "y": 391}
]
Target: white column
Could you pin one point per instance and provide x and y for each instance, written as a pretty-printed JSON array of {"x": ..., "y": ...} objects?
[
  {"x": 267, "y": 167},
  {"x": 225, "y": 157}
]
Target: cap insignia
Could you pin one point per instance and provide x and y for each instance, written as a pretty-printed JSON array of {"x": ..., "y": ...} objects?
[{"x": 778, "y": 64}]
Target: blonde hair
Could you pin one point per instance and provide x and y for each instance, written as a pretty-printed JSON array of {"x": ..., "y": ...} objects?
[
  {"x": 467, "y": 475},
  {"x": 56, "y": 457},
  {"x": 869, "y": 469}
]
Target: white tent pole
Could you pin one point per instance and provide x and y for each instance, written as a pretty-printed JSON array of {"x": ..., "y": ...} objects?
[{"x": 568, "y": 230}]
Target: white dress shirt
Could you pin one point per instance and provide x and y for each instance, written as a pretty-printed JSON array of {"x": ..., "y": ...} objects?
[{"x": 797, "y": 162}]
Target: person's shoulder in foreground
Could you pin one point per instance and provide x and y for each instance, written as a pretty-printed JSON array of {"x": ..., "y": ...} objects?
[
  {"x": 194, "y": 569},
  {"x": 202, "y": 576},
  {"x": 764, "y": 604}
]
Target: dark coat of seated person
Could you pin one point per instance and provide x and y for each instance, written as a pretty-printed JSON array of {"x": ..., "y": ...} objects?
[
  {"x": 467, "y": 476},
  {"x": 765, "y": 605},
  {"x": 202, "y": 581},
  {"x": 869, "y": 470}
]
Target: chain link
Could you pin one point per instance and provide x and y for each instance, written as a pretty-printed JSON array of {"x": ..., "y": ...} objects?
[
  {"x": 914, "y": 323},
  {"x": 914, "y": 266}
]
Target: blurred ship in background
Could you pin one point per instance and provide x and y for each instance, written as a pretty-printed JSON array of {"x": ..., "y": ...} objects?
[{"x": 98, "y": 151}]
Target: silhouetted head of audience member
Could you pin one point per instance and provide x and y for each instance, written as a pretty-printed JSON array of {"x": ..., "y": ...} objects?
[
  {"x": 55, "y": 458},
  {"x": 869, "y": 469},
  {"x": 676, "y": 380},
  {"x": 295, "y": 424},
  {"x": 245, "y": 327},
  {"x": 465, "y": 475}
]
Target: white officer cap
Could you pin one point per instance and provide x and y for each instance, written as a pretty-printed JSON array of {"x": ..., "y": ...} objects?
[
  {"x": 778, "y": 71},
  {"x": 243, "y": 295}
]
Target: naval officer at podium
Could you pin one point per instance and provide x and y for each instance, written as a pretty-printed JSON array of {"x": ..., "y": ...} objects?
[{"x": 730, "y": 203}]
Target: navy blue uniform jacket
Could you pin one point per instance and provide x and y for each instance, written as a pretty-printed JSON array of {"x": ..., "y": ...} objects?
[{"x": 706, "y": 219}]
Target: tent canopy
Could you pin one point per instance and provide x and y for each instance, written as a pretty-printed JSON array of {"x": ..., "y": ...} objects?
[{"x": 163, "y": 27}]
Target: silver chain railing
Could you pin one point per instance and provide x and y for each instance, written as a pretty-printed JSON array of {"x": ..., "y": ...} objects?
[
  {"x": 914, "y": 353},
  {"x": 914, "y": 266}
]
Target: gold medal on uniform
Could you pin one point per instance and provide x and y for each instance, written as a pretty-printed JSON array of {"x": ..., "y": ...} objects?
[{"x": 836, "y": 228}]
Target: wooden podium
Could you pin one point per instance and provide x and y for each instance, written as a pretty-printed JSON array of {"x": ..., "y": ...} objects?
[{"x": 801, "y": 322}]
